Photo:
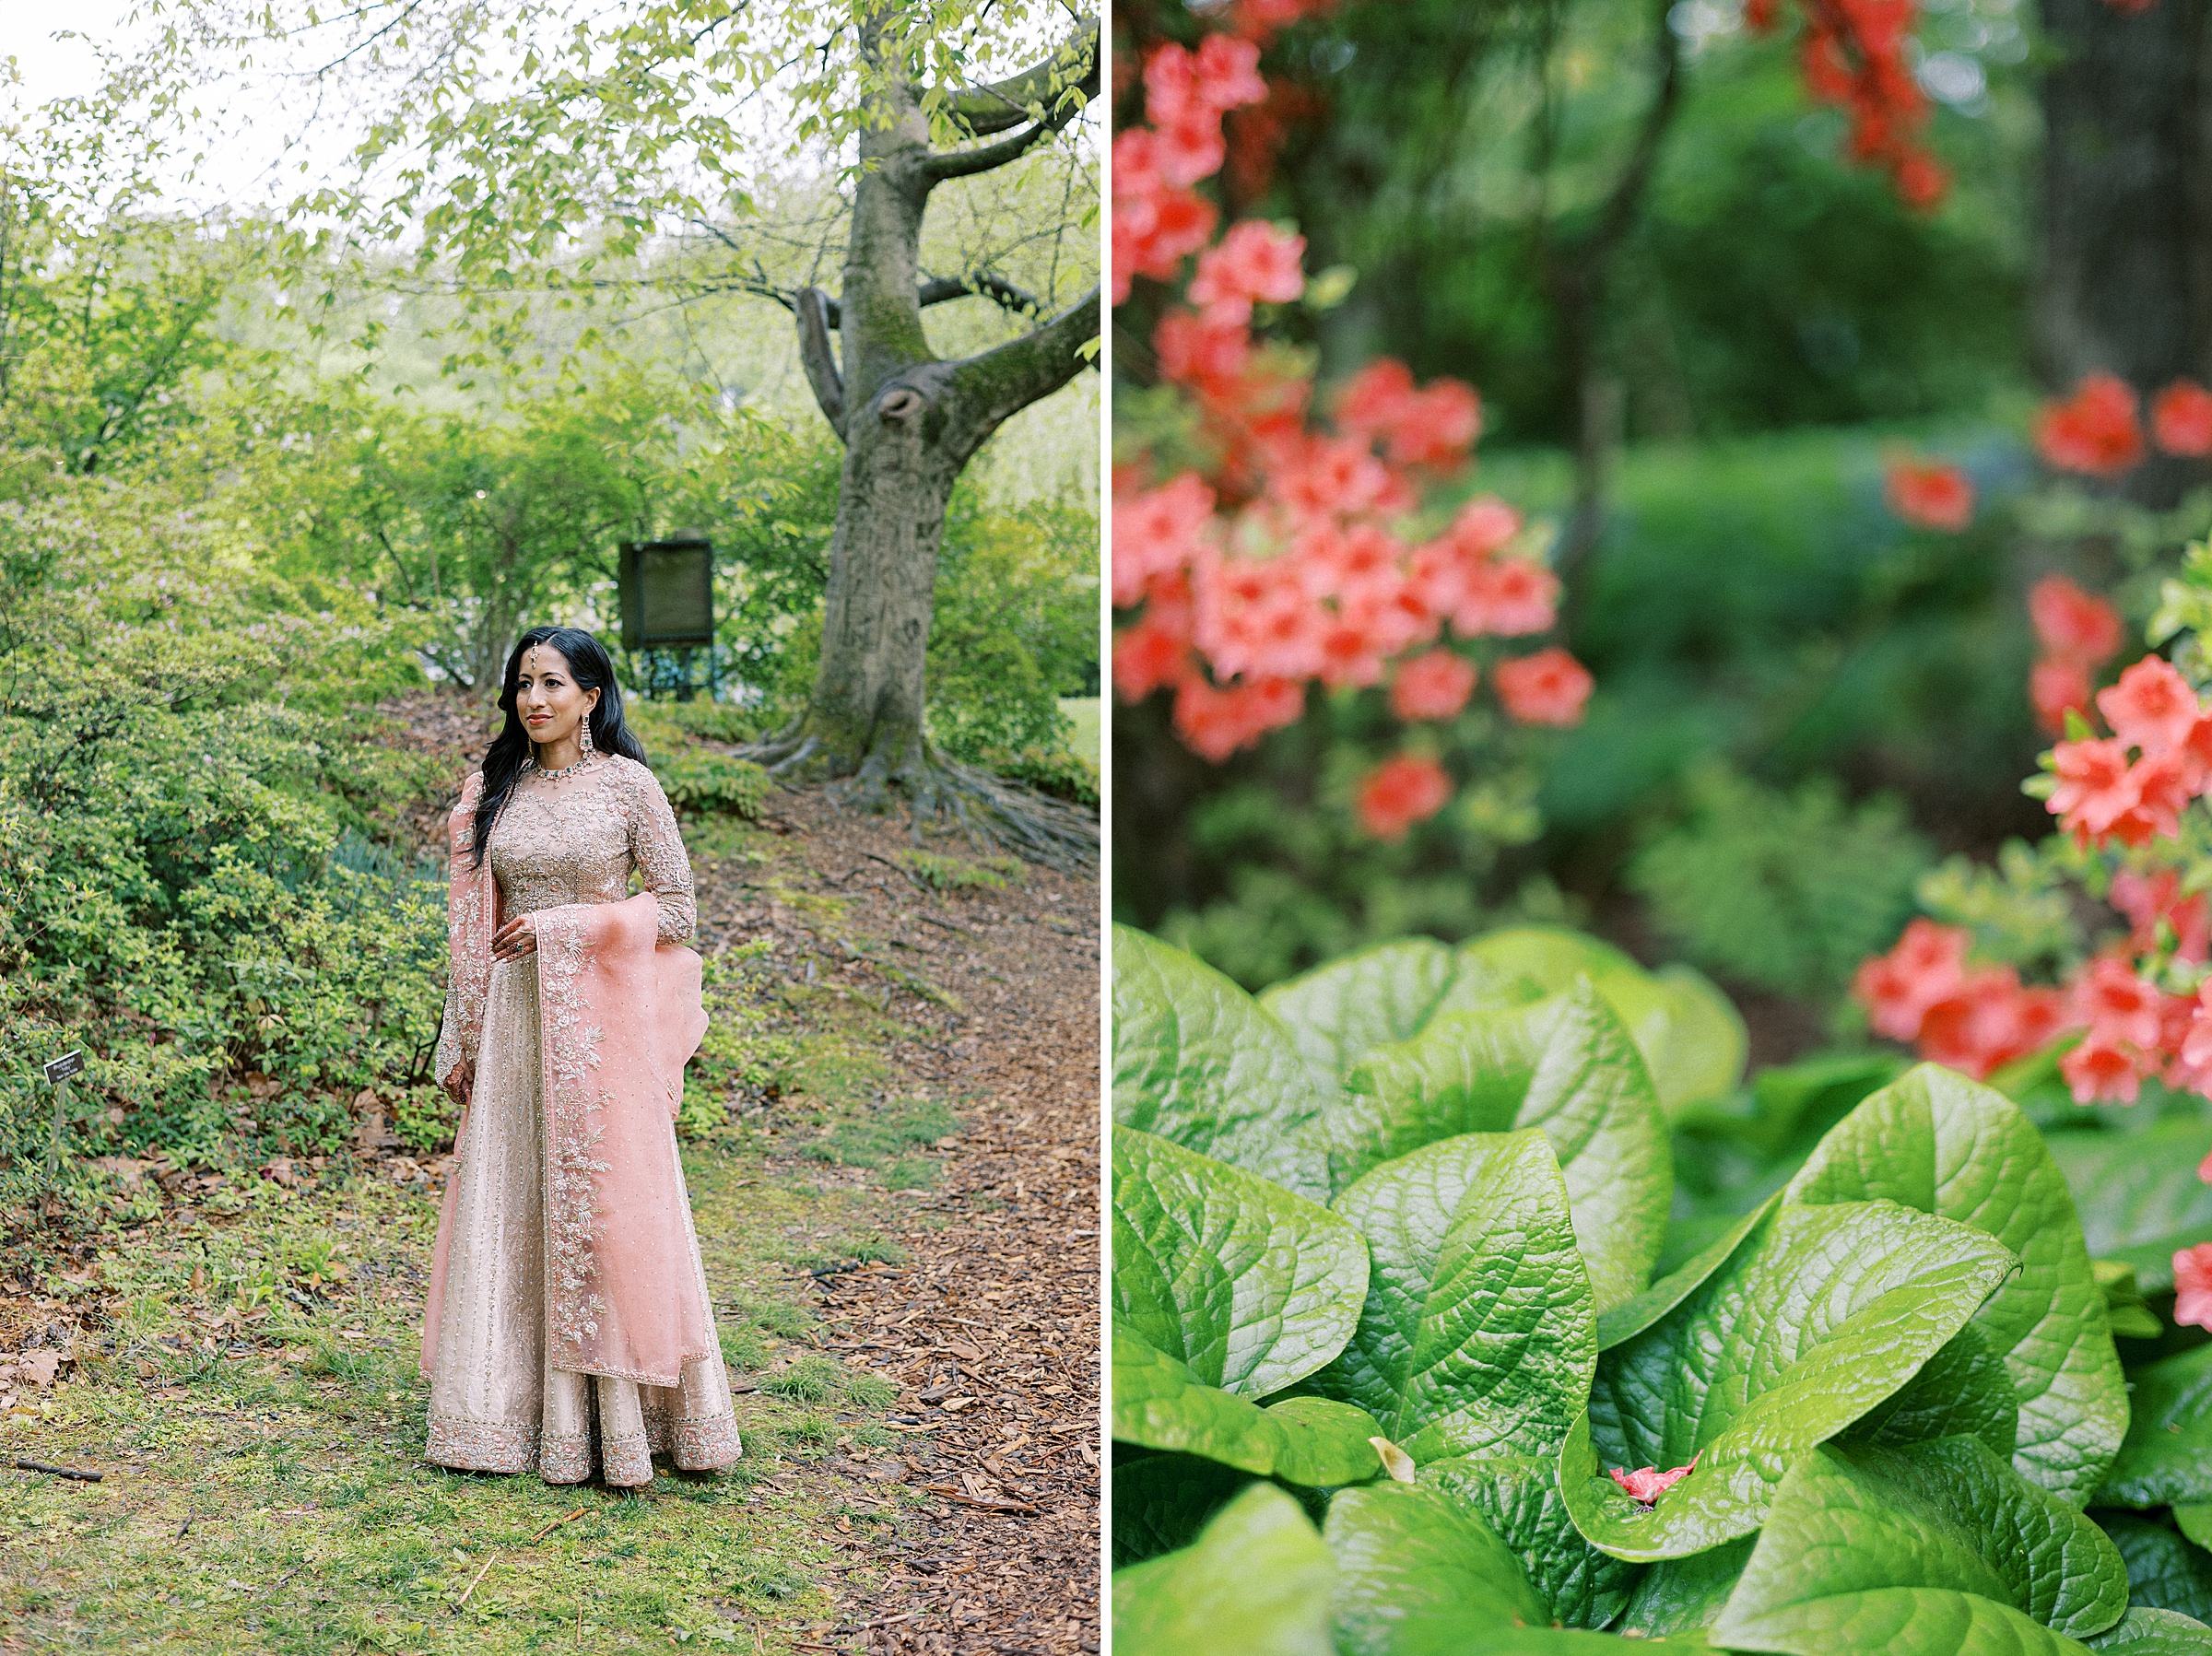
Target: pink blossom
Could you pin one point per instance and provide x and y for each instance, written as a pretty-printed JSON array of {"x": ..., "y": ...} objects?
[
  {"x": 2193, "y": 1285},
  {"x": 1646, "y": 1484}
]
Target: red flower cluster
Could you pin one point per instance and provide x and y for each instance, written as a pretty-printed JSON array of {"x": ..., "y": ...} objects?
[
  {"x": 1401, "y": 792},
  {"x": 2079, "y": 633},
  {"x": 1432, "y": 686},
  {"x": 1287, "y": 562},
  {"x": 1978, "y": 1018},
  {"x": 1975, "y": 1020},
  {"x": 1853, "y": 55},
  {"x": 2094, "y": 431},
  {"x": 2193, "y": 1282},
  {"x": 1929, "y": 494},
  {"x": 2181, "y": 419},
  {"x": 1158, "y": 220},
  {"x": 2132, "y": 786}
]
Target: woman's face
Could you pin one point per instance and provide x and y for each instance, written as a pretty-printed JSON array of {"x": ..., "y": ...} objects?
[{"x": 546, "y": 696}]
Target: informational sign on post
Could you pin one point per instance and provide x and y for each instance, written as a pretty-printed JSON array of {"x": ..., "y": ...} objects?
[{"x": 58, "y": 1072}]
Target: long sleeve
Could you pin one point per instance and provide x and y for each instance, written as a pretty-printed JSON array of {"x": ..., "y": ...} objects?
[
  {"x": 469, "y": 920},
  {"x": 656, "y": 851}
]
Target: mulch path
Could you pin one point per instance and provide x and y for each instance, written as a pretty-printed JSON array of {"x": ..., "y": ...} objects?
[{"x": 992, "y": 1327}]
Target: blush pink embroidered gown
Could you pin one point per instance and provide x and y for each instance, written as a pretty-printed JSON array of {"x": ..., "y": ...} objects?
[{"x": 496, "y": 1403}]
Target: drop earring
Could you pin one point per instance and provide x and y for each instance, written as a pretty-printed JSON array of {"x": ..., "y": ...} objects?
[{"x": 584, "y": 736}]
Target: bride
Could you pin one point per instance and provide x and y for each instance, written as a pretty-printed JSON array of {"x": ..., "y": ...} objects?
[{"x": 569, "y": 1322}]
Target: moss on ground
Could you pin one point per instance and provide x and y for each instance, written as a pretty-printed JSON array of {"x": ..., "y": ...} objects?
[{"x": 260, "y": 1419}]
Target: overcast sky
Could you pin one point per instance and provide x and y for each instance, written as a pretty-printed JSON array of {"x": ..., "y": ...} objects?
[{"x": 244, "y": 140}]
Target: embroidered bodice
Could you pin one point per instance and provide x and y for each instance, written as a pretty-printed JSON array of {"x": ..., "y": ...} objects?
[{"x": 576, "y": 840}]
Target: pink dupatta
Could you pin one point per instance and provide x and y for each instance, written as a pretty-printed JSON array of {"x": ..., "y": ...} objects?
[{"x": 619, "y": 1016}]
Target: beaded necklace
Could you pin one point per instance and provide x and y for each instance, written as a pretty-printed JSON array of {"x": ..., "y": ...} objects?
[{"x": 554, "y": 776}]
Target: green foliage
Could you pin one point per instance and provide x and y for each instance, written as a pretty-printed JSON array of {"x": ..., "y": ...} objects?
[
  {"x": 1938, "y": 1144},
  {"x": 185, "y": 807},
  {"x": 713, "y": 781},
  {"x": 746, "y": 1050},
  {"x": 1474, "y": 1253},
  {"x": 1273, "y": 875},
  {"x": 1195, "y": 1245},
  {"x": 1889, "y": 1379},
  {"x": 1957, "y": 1541},
  {"x": 2018, "y": 912},
  {"x": 108, "y": 322},
  {"x": 1780, "y": 892},
  {"x": 1258, "y": 1568}
]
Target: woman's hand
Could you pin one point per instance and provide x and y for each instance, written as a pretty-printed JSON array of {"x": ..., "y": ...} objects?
[{"x": 515, "y": 939}]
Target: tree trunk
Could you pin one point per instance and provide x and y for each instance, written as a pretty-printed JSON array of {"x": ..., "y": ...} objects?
[
  {"x": 866, "y": 706},
  {"x": 2125, "y": 283},
  {"x": 911, "y": 421}
]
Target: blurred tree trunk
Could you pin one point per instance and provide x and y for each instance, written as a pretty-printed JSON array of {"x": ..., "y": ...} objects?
[
  {"x": 2125, "y": 277},
  {"x": 1578, "y": 273}
]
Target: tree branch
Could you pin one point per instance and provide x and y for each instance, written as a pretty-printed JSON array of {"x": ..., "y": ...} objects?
[
  {"x": 992, "y": 386},
  {"x": 983, "y": 283},
  {"x": 935, "y": 291},
  {"x": 966, "y": 163},
  {"x": 812, "y": 308},
  {"x": 1003, "y": 104}
]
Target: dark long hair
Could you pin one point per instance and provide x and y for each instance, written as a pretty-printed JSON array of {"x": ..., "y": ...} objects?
[{"x": 592, "y": 669}]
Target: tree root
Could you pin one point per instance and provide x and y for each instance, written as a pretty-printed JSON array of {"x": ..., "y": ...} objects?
[
  {"x": 797, "y": 756},
  {"x": 994, "y": 815}
]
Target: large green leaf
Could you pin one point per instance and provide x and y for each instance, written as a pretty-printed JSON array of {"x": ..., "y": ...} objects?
[
  {"x": 1476, "y": 1334},
  {"x": 1902, "y": 1621},
  {"x": 1964, "y": 1388},
  {"x": 2165, "y": 1571},
  {"x": 1162, "y": 1502},
  {"x": 2167, "y": 1457},
  {"x": 1638, "y": 1312},
  {"x": 1252, "y": 1288},
  {"x": 1690, "y": 1033},
  {"x": 1415, "y": 1573},
  {"x": 1947, "y": 1519},
  {"x": 2138, "y": 1195},
  {"x": 1938, "y": 1142},
  {"x": 1311, "y": 1440},
  {"x": 2143, "y": 1632},
  {"x": 1198, "y": 1060},
  {"x": 1824, "y": 1313},
  {"x": 1258, "y": 1581},
  {"x": 1337, "y": 1011},
  {"x": 1691, "y": 1037},
  {"x": 1564, "y": 1064},
  {"x": 1518, "y": 1497},
  {"x": 1682, "y": 1595}
]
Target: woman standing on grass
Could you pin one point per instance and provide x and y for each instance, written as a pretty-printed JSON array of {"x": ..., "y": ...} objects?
[{"x": 569, "y": 1322}]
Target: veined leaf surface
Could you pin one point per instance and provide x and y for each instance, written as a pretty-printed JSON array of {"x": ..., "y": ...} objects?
[
  {"x": 1254, "y": 1288},
  {"x": 1476, "y": 1334},
  {"x": 1825, "y": 1312}
]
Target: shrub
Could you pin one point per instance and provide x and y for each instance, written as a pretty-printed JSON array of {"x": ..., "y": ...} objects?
[
  {"x": 712, "y": 782},
  {"x": 1781, "y": 892},
  {"x": 1406, "y": 1355}
]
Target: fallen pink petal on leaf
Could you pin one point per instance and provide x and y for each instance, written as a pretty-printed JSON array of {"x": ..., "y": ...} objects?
[{"x": 1646, "y": 1482}]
